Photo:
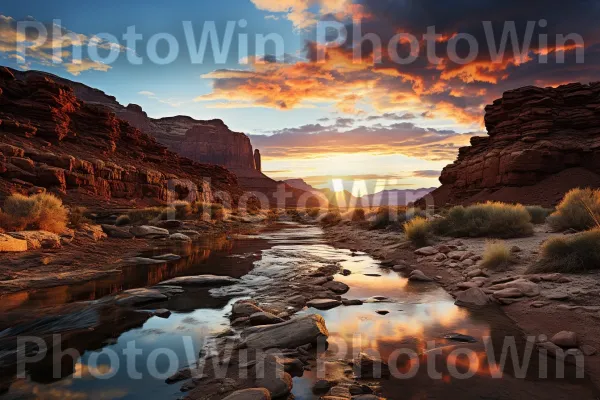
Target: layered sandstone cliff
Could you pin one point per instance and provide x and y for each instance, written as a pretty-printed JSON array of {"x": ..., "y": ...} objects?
[
  {"x": 52, "y": 139},
  {"x": 541, "y": 143}
]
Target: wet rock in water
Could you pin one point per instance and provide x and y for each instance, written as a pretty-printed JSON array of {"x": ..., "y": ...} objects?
[
  {"x": 264, "y": 318},
  {"x": 354, "y": 302},
  {"x": 286, "y": 335},
  {"x": 149, "y": 232},
  {"x": 179, "y": 376},
  {"x": 250, "y": 394},
  {"x": 373, "y": 275},
  {"x": 277, "y": 382},
  {"x": 472, "y": 297},
  {"x": 298, "y": 300},
  {"x": 588, "y": 350},
  {"x": 367, "y": 367},
  {"x": 9, "y": 244},
  {"x": 382, "y": 312},
  {"x": 180, "y": 237},
  {"x": 162, "y": 313},
  {"x": 292, "y": 366},
  {"x": 322, "y": 387},
  {"x": 459, "y": 337},
  {"x": 38, "y": 239},
  {"x": 323, "y": 304},
  {"x": 141, "y": 261},
  {"x": 140, "y": 296},
  {"x": 337, "y": 287},
  {"x": 565, "y": 339},
  {"x": 346, "y": 272},
  {"x": 200, "y": 280},
  {"x": 169, "y": 224},
  {"x": 426, "y": 251},
  {"x": 244, "y": 309},
  {"x": 419, "y": 276},
  {"x": 528, "y": 288},
  {"x": 116, "y": 232},
  {"x": 167, "y": 257},
  {"x": 376, "y": 299}
]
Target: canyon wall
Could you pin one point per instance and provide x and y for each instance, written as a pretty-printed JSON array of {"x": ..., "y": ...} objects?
[
  {"x": 50, "y": 139},
  {"x": 541, "y": 143}
]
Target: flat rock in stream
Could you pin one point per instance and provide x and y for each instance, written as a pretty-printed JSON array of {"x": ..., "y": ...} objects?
[
  {"x": 337, "y": 287},
  {"x": 200, "y": 280},
  {"x": 167, "y": 257},
  {"x": 141, "y": 261},
  {"x": 286, "y": 335},
  {"x": 250, "y": 394},
  {"x": 116, "y": 232},
  {"x": 140, "y": 296},
  {"x": 149, "y": 232},
  {"x": 244, "y": 309},
  {"x": 324, "y": 304},
  {"x": 264, "y": 318}
]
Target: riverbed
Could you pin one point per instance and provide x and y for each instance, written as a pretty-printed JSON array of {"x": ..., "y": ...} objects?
[{"x": 438, "y": 348}]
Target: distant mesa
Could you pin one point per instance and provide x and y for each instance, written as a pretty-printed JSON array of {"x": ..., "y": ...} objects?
[{"x": 541, "y": 143}]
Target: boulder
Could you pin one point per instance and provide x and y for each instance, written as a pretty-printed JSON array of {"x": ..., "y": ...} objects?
[
  {"x": 419, "y": 276},
  {"x": 135, "y": 297},
  {"x": 94, "y": 232},
  {"x": 368, "y": 367},
  {"x": 427, "y": 251},
  {"x": 323, "y": 304},
  {"x": 337, "y": 287},
  {"x": 149, "y": 232},
  {"x": 250, "y": 394},
  {"x": 180, "y": 237},
  {"x": 244, "y": 309},
  {"x": 38, "y": 239},
  {"x": 286, "y": 335},
  {"x": 116, "y": 232},
  {"x": 10, "y": 244},
  {"x": 264, "y": 318},
  {"x": 472, "y": 297},
  {"x": 565, "y": 339},
  {"x": 200, "y": 280}
]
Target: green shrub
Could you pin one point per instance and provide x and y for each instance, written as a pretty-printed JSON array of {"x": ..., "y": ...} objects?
[
  {"x": 417, "y": 231},
  {"x": 42, "y": 211},
  {"x": 496, "y": 255},
  {"x": 538, "y": 214},
  {"x": 570, "y": 254},
  {"x": 579, "y": 210},
  {"x": 496, "y": 220},
  {"x": 330, "y": 218}
]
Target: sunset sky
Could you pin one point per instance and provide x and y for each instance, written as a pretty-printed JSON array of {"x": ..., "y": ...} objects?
[{"x": 321, "y": 120}]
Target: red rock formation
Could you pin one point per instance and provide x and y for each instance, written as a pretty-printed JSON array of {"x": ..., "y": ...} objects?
[
  {"x": 257, "y": 160},
  {"x": 49, "y": 138},
  {"x": 535, "y": 135}
]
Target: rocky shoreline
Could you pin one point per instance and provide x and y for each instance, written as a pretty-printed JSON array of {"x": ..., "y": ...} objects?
[{"x": 547, "y": 306}]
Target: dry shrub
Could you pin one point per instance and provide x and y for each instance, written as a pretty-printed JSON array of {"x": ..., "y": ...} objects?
[
  {"x": 496, "y": 256},
  {"x": 538, "y": 214},
  {"x": 123, "y": 220},
  {"x": 42, "y": 211},
  {"x": 394, "y": 216},
  {"x": 77, "y": 217},
  {"x": 313, "y": 212},
  {"x": 418, "y": 231},
  {"x": 570, "y": 254},
  {"x": 579, "y": 210},
  {"x": 498, "y": 220},
  {"x": 330, "y": 218},
  {"x": 144, "y": 215}
]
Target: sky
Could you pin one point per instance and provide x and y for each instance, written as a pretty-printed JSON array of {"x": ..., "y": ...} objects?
[{"x": 317, "y": 100}]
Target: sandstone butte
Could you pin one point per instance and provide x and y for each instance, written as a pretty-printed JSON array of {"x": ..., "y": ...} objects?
[
  {"x": 51, "y": 139},
  {"x": 541, "y": 143}
]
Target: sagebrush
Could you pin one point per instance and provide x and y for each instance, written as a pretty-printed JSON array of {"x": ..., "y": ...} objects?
[
  {"x": 570, "y": 254},
  {"x": 579, "y": 210},
  {"x": 42, "y": 211}
]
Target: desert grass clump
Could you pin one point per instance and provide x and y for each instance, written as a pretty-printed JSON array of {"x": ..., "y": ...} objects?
[
  {"x": 497, "y": 256},
  {"x": 313, "y": 212},
  {"x": 144, "y": 215},
  {"x": 570, "y": 254},
  {"x": 123, "y": 220},
  {"x": 331, "y": 218},
  {"x": 579, "y": 210},
  {"x": 538, "y": 214},
  {"x": 182, "y": 208},
  {"x": 497, "y": 220},
  {"x": 42, "y": 211},
  {"x": 77, "y": 217},
  {"x": 386, "y": 216},
  {"x": 418, "y": 231}
]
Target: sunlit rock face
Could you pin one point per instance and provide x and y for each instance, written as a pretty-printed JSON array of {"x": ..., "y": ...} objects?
[{"x": 541, "y": 143}]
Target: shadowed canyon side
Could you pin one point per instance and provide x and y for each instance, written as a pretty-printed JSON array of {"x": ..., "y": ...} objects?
[
  {"x": 53, "y": 140},
  {"x": 542, "y": 142}
]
